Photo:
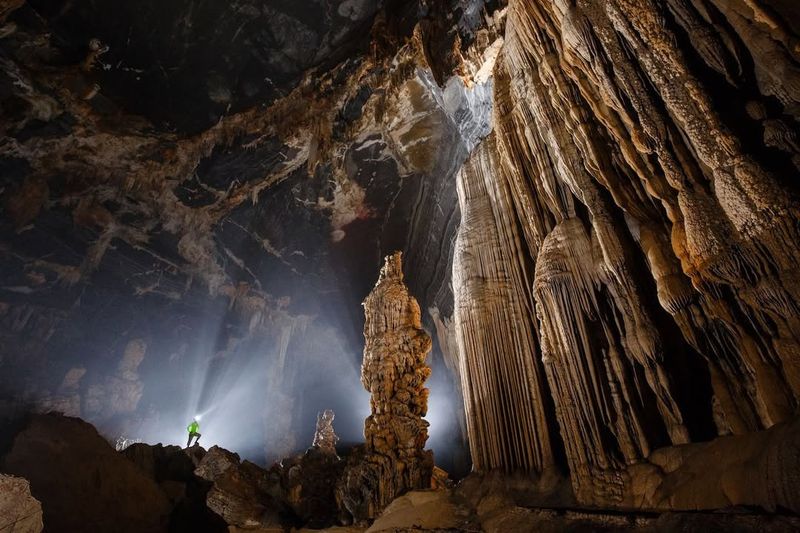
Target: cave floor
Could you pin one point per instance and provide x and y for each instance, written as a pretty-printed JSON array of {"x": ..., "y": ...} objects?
[{"x": 442, "y": 511}]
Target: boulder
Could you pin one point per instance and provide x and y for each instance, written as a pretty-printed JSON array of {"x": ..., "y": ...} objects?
[
  {"x": 427, "y": 510},
  {"x": 82, "y": 482},
  {"x": 174, "y": 470},
  {"x": 307, "y": 485},
  {"x": 160, "y": 462},
  {"x": 755, "y": 469},
  {"x": 215, "y": 463},
  {"x": 240, "y": 492},
  {"x": 20, "y": 512}
]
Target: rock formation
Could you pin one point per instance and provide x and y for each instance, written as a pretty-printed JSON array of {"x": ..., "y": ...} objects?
[
  {"x": 240, "y": 490},
  {"x": 502, "y": 379},
  {"x": 173, "y": 469},
  {"x": 80, "y": 477},
  {"x": 596, "y": 200},
  {"x": 394, "y": 459},
  {"x": 635, "y": 226},
  {"x": 324, "y": 436},
  {"x": 20, "y": 512},
  {"x": 306, "y": 485},
  {"x": 165, "y": 243}
]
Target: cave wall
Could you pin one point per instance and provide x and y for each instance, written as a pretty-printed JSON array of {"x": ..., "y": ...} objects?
[{"x": 640, "y": 185}]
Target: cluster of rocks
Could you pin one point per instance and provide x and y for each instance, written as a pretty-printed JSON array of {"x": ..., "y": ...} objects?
[
  {"x": 167, "y": 487},
  {"x": 83, "y": 484}
]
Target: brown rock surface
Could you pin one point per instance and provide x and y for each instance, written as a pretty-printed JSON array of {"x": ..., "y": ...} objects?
[
  {"x": 173, "y": 469},
  {"x": 617, "y": 291},
  {"x": 215, "y": 463},
  {"x": 394, "y": 459},
  {"x": 630, "y": 223},
  {"x": 508, "y": 504},
  {"x": 84, "y": 483},
  {"x": 240, "y": 492},
  {"x": 759, "y": 469},
  {"x": 308, "y": 484},
  {"x": 19, "y": 511},
  {"x": 425, "y": 510}
]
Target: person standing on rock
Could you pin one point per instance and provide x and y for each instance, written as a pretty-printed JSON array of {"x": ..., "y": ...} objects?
[{"x": 193, "y": 432}]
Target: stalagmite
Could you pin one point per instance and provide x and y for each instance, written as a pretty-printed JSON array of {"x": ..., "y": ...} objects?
[
  {"x": 394, "y": 459},
  {"x": 324, "y": 437},
  {"x": 597, "y": 203}
]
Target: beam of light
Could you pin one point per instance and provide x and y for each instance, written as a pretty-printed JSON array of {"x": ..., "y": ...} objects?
[{"x": 244, "y": 401}]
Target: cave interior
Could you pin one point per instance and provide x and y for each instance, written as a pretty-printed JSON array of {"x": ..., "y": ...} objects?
[{"x": 429, "y": 265}]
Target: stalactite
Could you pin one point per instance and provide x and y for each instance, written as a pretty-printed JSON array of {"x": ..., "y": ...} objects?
[
  {"x": 659, "y": 235},
  {"x": 506, "y": 411}
]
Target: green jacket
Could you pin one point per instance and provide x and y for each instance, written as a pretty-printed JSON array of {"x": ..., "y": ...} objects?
[{"x": 193, "y": 427}]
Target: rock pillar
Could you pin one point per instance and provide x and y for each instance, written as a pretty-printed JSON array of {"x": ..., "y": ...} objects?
[{"x": 393, "y": 459}]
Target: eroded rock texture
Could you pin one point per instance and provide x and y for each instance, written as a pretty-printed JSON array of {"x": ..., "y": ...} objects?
[
  {"x": 20, "y": 512},
  {"x": 394, "y": 459},
  {"x": 222, "y": 185},
  {"x": 240, "y": 490},
  {"x": 634, "y": 215},
  {"x": 502, "y": 379},
  {"x": 596, "y": 201}
]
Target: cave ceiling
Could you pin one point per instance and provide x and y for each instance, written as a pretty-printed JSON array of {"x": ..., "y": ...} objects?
[{"x": 209, "y": 147}]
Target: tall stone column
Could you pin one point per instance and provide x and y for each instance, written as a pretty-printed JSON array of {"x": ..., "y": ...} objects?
[{"x": 394, "y": 459}]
